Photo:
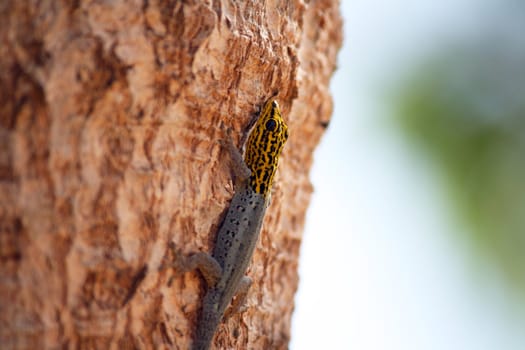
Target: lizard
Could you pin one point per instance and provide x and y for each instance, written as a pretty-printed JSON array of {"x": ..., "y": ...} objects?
[{"x": 224, "y": 269}]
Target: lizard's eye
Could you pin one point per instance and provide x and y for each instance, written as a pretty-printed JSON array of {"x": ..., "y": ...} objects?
[{"x": 271, "y": 125}]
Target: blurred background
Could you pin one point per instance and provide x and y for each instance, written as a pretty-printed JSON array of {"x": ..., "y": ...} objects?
[{"x": 415, "y": 238}]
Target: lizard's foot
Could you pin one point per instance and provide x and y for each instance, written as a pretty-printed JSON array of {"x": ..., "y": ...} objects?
[{"x": 240, "y": 299}]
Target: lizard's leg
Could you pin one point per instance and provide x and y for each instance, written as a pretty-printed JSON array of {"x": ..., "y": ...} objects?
[
  {"x": 204, "y": 262},
  {"x": 241, "y": 172},
  {"x": 207, "y": 265},
  {"x": 240, "y": 298}
]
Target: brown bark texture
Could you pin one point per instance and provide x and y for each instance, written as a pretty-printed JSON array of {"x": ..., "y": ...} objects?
[{"x": 111, "y": 113}]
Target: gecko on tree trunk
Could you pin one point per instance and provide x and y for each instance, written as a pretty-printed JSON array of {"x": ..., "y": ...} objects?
[{"x": 236, "y": 239}]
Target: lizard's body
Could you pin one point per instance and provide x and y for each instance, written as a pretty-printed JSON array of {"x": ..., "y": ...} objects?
[
  {"x": 236, "y": 239},
  {"x": 233, "y": 251}
]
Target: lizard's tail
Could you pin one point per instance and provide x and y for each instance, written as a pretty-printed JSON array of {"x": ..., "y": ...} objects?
[{"x": 208, "y": 323}]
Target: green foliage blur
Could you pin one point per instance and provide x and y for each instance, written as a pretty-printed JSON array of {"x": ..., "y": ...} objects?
[{"x": 465, "y": 110}]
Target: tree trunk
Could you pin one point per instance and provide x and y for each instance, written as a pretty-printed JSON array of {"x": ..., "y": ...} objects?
[{"x": 111, "y": 113}]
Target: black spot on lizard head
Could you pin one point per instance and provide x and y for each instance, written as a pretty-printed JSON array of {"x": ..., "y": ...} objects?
[{"x": 271, "y": 125}]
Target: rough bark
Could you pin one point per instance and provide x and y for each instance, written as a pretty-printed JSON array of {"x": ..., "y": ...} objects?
[{"x": 110, "y": 116}]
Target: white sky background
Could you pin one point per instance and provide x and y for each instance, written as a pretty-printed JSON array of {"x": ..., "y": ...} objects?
[{"x": 380, "y": 268}]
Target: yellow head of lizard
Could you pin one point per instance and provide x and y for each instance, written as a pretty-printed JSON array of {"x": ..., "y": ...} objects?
[{"x": 264, "y": 147}]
